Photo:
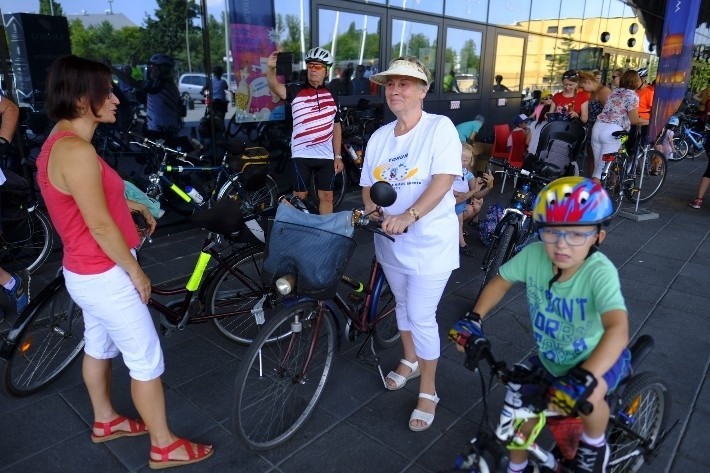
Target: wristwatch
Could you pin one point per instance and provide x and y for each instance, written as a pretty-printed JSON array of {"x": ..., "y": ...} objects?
[
  {"x": 414, "y": 213},
  {"x": 338, "y": 156}
]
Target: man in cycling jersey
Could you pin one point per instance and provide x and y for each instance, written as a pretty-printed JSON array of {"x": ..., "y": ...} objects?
[
  {"x": 578, "y": 314},
  {"x": 16, "y": 286},
  {"x": 317, "y": 136}
]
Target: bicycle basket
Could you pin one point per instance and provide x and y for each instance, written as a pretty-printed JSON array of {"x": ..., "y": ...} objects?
[{"x": 314, "y": 248}]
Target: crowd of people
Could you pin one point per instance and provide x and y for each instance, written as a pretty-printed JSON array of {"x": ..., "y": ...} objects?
[{"x": 430, "y": 163}]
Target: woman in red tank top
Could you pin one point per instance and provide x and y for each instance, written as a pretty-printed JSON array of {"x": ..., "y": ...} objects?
[{"x": 86, "y": 202}]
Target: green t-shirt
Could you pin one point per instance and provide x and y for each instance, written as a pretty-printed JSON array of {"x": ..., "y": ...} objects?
[{"x": 566, "y": 320}]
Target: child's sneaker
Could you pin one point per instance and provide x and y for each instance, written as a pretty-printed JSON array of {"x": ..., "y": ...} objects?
[
  {"x": 696, "y": 204},
  {"x": 20, "y": 294},
  {"x": 591, "y": 459}
]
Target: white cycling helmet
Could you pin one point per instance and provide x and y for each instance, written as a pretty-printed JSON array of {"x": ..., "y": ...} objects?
[
  {"x": 320, "y": 55},
  {"x": 673, "y": 121}
]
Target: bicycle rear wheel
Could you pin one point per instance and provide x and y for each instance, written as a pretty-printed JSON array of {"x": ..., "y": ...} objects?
[
  {"x": 51, "y": 340},
  {"x": 386, "y": 331},
  {"x": 32, "y": 248},
  {"x": 681, "y": 149},
  {"x": 641, "y": 417},
  {"x": 273, "y": 394},
  {"x": 613, "y": 183},
  {"x": 252, "y": 197},
  {"x": 654, "y": 175},
  {"x": 227, "y": 293}
]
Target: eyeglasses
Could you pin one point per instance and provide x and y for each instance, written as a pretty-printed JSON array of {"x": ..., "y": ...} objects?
[
  {"x": 316, "y": 66},
  {"x": 552, "y": 236}
]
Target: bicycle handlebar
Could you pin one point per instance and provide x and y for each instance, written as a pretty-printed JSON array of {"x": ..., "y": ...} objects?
[
  {"x": 477, "y": 349},
  {"x": 532, "y": 175}
]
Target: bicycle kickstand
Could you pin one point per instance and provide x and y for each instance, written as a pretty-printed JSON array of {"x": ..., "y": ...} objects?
[{"x": 375, "y": 357}]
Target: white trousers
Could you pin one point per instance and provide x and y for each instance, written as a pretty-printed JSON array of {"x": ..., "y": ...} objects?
[
  {"x": 116, "y": 321},
  {"x": 603, "y": 143},
  {"x": 417, "y": 298}
]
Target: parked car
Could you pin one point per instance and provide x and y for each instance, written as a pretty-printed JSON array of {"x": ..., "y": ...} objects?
[{"x": 190, "y": 85}]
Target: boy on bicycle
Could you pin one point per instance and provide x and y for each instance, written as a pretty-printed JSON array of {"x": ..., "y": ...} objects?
[{"x": 579, "y": 317}]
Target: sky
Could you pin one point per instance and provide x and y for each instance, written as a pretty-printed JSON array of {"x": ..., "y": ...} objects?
[{"x": 135, "y": 10}]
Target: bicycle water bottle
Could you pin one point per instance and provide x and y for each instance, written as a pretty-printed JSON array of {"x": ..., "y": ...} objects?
[
  {"x": 351, "y": 151},
  {"x": 196, "y": 196}
]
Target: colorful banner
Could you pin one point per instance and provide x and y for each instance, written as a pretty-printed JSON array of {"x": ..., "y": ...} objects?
[
  {"x": 253, "y": 39},
  {"x": 674, "y": 67}
]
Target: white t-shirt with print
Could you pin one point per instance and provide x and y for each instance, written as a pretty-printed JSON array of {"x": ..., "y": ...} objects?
[{"x": 408, "y": 163}]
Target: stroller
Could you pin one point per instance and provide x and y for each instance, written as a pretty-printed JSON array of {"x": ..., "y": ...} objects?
[{"x": 560, "y": 144}]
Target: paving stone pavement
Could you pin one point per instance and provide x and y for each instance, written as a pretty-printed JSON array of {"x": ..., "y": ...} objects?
[{"x": 359, "y": 426}]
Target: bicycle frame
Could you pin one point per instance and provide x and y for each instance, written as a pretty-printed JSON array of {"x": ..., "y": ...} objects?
[{"x": 696, "y": 138}]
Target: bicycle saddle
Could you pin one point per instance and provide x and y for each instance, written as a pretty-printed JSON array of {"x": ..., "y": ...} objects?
[{"x": 620, "y": 133}]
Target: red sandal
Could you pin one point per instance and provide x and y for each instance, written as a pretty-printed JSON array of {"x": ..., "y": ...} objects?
[
  {"x": 136, "y": 427},
  {"x": 164, "y": 452}
]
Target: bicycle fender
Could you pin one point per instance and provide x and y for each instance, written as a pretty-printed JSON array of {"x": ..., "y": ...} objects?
[
  {"x": 379, "y": 282},
  {"x": 10, "y": 340}
]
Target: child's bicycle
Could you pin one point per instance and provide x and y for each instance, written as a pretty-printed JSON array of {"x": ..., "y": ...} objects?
[{"x": 639, "y": 409}]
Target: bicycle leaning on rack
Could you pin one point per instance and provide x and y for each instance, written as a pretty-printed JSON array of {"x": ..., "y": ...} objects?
[
  {"x": 516, "y": 227},
  {"x": 638, "y": 178},
  {"x": 686, "y": 140},
  {"x": 253, "y": 190},
  {"x": 284, "y": 372},
  {"x": 49, "y": 335},
  {"x": 639, "y": 409}
]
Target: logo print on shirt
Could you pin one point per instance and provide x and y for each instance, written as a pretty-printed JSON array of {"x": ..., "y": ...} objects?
[{"x": 394, "y": 172}]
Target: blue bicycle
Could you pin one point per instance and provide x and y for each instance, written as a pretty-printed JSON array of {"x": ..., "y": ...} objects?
[{"x": 686, "y": 140}]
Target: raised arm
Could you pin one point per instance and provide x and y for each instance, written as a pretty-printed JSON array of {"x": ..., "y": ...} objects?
[{"x": 274, "y": 85}]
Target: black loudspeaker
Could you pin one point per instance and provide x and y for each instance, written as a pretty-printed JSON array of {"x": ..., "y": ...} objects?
[{"x": 35, "y": 41}]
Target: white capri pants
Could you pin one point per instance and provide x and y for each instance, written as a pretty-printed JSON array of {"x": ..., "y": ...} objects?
[
  {"x": 417, "y": 298},
  {"x": 116, "y": 321},
  {"x": 603, "y": 143}
]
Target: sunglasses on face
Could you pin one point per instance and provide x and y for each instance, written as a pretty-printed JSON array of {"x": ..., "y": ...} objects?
[
  {"x": 569, "y": 76},
  {"x": 614, "y": 77},
  {"x": 316, "y": 66}
]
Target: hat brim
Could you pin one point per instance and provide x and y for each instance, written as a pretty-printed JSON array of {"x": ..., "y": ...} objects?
[{"x": 400, "y": 68}]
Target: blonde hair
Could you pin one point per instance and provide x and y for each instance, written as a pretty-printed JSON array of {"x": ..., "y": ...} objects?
[
  {"x": 471, "y": 150},
  {"x": 585, "y": 76}
]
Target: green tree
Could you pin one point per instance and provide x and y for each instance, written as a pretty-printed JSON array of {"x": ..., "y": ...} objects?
[
  {"x": 166, "y": 33},
  {"x": 289, "y": 28},
  {"x": 45, "y": 8}
]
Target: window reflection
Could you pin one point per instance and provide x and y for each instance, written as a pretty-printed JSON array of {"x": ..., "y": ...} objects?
[
  {"x": 510, "y": 13},
  {"x": 429, "y": 6},
  {"x": 462, "y": 61},
  {"x": 410, "y": 38},
  {"x": 354, "y": 41},
  {"x": 472, "y": 10},
  {"x": 508, "y": 63},
  {"x": 293, "y": 29}
]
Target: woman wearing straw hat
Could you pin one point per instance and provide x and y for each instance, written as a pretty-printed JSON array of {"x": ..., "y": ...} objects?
[{"x": 419, "y": 155}]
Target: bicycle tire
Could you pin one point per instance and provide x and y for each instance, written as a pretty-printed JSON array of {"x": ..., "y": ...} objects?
[
  {"x": 613, "y": 183},
  {"x": 681, "y": 149},
  {"x": 340, "y": 185},
  {"x": 271, "y": 400},
  {"x": 644, "y": 409},
  {"x": 46, "y": 346},
  {"x": 386, "y": 332},
  {"x": 227, "y": 292},
  {"x": 501, "y": 253},
  {"x": 652, "y": 182},
  {"x": 251, "y": 201},
  {"x": 31, "y": 252}
]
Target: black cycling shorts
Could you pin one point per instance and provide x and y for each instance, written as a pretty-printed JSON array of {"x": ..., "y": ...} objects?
[{"x": 304, "y": 168}]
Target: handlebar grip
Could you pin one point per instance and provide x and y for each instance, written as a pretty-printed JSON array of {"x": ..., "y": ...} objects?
[{"x": 585, "y": 407}]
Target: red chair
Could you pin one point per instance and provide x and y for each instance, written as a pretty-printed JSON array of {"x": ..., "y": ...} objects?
[
  {"x": 500, "y": 142},
  {"x": 516, "y": 155}
]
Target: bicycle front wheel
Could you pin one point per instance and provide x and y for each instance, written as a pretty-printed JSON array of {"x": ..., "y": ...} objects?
[
  {"x": 613, "y": 183},
  {"x": 681, "y": 149},
  {"x": 501, "y": 252},
  {"x": 228, "y": 293},
  {"x": 31, "y": 247},
  {"x": 51, "y": 340},
  {"x": 654, "y": 175},
  {"x": 280, "y": 381},
  {"x": 641, "y": 417}
]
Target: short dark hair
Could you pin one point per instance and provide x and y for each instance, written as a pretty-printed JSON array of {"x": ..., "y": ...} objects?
[{"x": 72, "y": 78}]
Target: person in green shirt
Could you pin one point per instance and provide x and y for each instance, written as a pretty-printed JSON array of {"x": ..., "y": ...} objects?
[
  {"x": 578, "y": 314},
  {"x": 450, "y": 84}
]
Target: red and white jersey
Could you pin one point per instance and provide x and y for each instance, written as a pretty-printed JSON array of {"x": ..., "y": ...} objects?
[{"x": 314, "y": 111}]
